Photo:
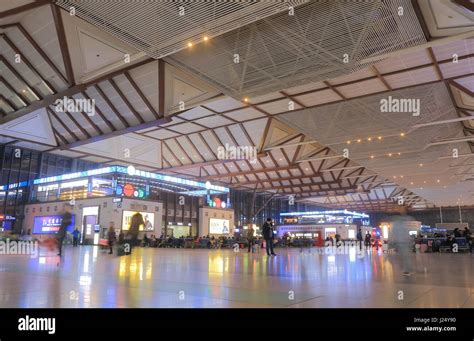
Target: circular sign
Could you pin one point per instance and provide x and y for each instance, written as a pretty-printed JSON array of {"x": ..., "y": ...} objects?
[
  {"x": 119, "y": 190},
  {"x": 128, "y": 190},
  {"x": 131, "y": 170}
]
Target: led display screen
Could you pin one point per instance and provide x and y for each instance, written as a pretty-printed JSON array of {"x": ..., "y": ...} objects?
[{"x": 50, "y": 224}]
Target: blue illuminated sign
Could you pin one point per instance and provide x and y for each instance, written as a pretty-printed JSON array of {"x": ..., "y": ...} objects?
[
  {"x": 116, "y": 169},
  {"x": 346, "y": 212}
]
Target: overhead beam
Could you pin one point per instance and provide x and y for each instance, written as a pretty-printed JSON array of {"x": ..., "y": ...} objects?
[
  {"x": 24, "y": 8},
  {"x": 255, "y": 182},
  {"x": 255, "y": 171},
  {"x": 58, "y": 22},
  {"x": 42, "y": 103},
  {"x": 127, "y": 130}
]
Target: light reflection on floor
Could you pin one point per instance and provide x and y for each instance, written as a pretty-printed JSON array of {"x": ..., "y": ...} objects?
[{"x": 88, "y": 277}]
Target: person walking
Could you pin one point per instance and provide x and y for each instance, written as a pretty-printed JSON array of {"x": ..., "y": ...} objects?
[
  {"x": 250, "y": 237},
  {"x": 111, "y": 237},
  {"x": 65, "y": 222},
  {"x": 403, "y": 242},
  {"x": 136, "y": 222},
  {"x": 75, "y": 237},
  {"x": 267, "y": 231}
]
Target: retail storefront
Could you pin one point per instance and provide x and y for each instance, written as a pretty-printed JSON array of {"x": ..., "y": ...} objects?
[
  {"x": 115, "y": 194},
  {"x": 90, "y": 215}
]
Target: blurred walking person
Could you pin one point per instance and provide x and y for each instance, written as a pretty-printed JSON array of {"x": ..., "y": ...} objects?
[
  {"x": 136, "y": 222},
  {"x": 65, "y": 222},
  {"x": 402, "y": 241},
  {"x": 111, "y": 237},
  {"x": 250, "y": 237}
]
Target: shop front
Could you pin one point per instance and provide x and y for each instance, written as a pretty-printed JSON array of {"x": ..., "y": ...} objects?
[{"x": 90, "y": 216}]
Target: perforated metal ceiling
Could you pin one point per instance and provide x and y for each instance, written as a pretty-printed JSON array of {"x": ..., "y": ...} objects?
[
  {"x": 161, "y": 27},
  {"x": 283, "y": 51}
]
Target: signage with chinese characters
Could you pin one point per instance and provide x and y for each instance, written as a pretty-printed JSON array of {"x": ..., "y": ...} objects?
[{"x": 50, "y": 224}]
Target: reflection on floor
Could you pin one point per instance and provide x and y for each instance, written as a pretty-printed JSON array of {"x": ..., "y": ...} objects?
[{"x": 89, "y": 277}]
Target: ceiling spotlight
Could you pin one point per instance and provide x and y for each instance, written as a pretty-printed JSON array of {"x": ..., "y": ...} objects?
[
  {"x": 389, "y": 154},
  {"x": 24, "y": 91},
  {"x": 421, "y": 165},
  {"x": 246, "y": 99},
  {"x": 399, "y": 154},
  {"x": 402, "y": 134},
  {"x": 371, "y": 156},
  {"x": 359, "y": 140},
  {"x": 437, "y": 181},
  {"x": 206, "y": 38},
  {"x": 369, "y": 139},
  {"x": 394, "y": 176},
  {"x": 411, "y": 183},
  {"x": 401, "y": 176},
  {"x": 424, "y": 182},
  {"x": 380, "y": 137},
  {"x": 348, "y": 142},
  {"x": 190, "y": 44}
]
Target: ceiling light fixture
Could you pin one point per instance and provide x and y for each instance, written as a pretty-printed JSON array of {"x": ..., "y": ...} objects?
[{"x": 190, "y": 44}]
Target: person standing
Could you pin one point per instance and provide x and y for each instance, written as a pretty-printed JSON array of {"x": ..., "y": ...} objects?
[
  {"x": 359, "y": 237},
  {"x": 111, "y": 237},
  {"x": 250, "y": 237},
  {"x": 367, "y": 240},
  {"x": 65, "y": 222},
  {"x": 75, "y": 237},
  {"x": 267, "y": 231}
]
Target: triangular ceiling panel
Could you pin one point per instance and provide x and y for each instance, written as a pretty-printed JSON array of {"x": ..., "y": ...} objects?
[
  {"x": 183, "y": 91},
  {"x": 34, "y": 127},
  {"x": 128, "y": 148},
  {"x": 96, "y": 53}
]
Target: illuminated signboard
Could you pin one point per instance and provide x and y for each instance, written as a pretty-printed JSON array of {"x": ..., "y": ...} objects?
[
  {"x": 128, "y": 190},
  {"x": 219, "y": 226},
  {"x": 117, "y": 169},
  {"x": 148, "y": 218},
  {"x": 50, "y": 224}
]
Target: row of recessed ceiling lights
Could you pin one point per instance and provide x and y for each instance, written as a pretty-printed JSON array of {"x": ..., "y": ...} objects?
[
  {"x": 205, "y": 38},
  {"x": 370, "y": 139}
]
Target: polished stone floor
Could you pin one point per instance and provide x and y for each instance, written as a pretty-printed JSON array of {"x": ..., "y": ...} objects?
[{"x": 89, "y": 277}]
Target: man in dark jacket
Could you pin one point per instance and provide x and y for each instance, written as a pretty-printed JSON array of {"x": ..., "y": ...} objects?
[
  {"x": 65, "y": 222},
  {"x": 267, "y": 231}
]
